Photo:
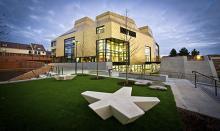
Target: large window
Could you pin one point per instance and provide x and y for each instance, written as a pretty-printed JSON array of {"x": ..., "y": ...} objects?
[
  {"x": 156, "y": 52},
  {"x": 101, "y": 49},
  {"x": 156, "y": 49},
  {"x": 53, "y": 43},
  {"x": 148, "y": 53},
  {"x": 112, "y": 50},
  {"x": 69, "y": 49},
  {"x": 100, "y": 29},
  {"x": 128, "y": 32}
]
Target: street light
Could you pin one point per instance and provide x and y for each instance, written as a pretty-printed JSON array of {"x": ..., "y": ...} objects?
[{"x": 76, "y": 43}]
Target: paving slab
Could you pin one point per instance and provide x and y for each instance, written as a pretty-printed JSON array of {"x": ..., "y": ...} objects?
[{"x": 194, "y": 99}]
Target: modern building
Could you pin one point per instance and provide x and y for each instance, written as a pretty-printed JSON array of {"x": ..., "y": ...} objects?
[{"x": 110, "y": 38}]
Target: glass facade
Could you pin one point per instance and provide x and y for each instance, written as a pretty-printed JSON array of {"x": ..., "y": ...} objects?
[
  {"x": 147, "y": 53},
  {"x": 156, "y": 52},
  {"x": 146, "y": 68},
  {"x": 100, "y": 29},
  {"x": 53, "y": 43},
  {"x": 69, "y": 49},
  {"x": 128, "y": 32},
  {"x": 112, "y": 50}
]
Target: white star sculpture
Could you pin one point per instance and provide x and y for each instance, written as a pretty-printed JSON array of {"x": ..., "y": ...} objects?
[{"x": 120, "y": 104}]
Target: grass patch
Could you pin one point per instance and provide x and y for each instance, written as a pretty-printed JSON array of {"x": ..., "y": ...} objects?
[
  {"x": 82, "y": 74},
  {"x": 57, "y": 105},
  {"x": 123, "y": 83},
  {"x": 99, "y": 78}
]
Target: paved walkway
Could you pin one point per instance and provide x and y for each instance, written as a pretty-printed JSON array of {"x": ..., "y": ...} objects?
[{"x": 193, "y": 99}]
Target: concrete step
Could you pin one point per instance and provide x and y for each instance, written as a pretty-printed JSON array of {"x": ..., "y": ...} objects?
[
  {"x": 210, "y": 90},
  {"x": 194, "y": 99}
]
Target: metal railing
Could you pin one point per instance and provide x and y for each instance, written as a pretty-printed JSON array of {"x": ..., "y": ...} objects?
[{"x": 214, "y": 83}]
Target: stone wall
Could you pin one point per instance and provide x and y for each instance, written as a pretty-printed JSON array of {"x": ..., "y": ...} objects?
[{"x": 180, "y": 67}]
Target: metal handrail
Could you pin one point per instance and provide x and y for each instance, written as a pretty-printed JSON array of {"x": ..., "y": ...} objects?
[{"x": 211, "y": 78}]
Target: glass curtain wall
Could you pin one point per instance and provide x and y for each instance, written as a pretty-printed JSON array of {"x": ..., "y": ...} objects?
[
  {"x": 69, "y": 49},
  {"x": 147, "y": 53},
  {"x": 112, "y": 50},
  {"x": 146, "y": 68}
]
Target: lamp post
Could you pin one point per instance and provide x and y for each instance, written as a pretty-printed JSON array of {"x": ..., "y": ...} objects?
[{"x": 76, "y": 42}]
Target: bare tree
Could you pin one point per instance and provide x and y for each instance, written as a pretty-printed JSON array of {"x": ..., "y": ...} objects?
[
  {"x": 4, "y": 28},
  {"x": 130, "y": 45},
  {"x": 97, "y": 52},
  {"x": 82, "y": 52}
]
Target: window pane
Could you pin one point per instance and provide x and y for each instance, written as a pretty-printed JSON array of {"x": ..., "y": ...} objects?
[{"x": 100, "y": 29}]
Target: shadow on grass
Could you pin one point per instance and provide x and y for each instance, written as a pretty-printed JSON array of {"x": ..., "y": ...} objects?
[{"x": 99, "y": 78}]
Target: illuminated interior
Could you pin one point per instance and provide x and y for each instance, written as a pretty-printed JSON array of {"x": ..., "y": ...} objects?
[
  {"x": 69, "y": 49},
  {"x": 145, "y": 68},
  {"x": 112, "y": 50}
]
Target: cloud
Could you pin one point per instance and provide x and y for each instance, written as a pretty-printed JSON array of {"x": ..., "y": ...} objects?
[
  {"x": 38, "y": 31},
  {"x": 28, "y": 27},
  {"x": 51, "y": 36},
  {"x": 49, "y": 19},
  {"x": 62, "y": 26},
  {"x": 35, "y": 1},
  {"x": 2, "y": 4},
  {"x": 51, "y": 12},
  {"x": 31, "y": 8},
  {"x": 34, "y": 17},
  {"x": 24, "y": 33},
  {"x": 194, "y": 24}
]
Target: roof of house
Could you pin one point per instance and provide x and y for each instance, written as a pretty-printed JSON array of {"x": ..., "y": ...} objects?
[
  {"x": 48, "y": 52},
  {"x": 38, "y": 47},
  {"x": 14, "y": 45}
]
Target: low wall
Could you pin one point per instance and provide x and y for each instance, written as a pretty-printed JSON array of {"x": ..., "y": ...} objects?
[
  {"x": 180, "y": 67},
  {"x": 69, "y": 68},
  {"x": 162, "y": 78}
]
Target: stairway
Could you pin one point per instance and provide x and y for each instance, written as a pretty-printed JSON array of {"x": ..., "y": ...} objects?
[
  {"x": 210, "y": 90},
  {"x": 216, "y": 63}
]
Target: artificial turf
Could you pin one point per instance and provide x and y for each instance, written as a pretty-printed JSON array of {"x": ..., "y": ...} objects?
[{"x": 57, "y": 105}]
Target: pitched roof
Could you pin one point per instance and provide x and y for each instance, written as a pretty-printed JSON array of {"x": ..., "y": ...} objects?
[
  {"x": 37, "y": 47},
  {"x": 14, "y": 45}
]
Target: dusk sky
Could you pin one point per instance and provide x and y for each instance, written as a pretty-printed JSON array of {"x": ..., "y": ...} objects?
[{"x": 175, "y": 23}]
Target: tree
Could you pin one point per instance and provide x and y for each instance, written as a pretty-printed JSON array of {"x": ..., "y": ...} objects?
[
  {"x": 173, "y": 52},
  {"x": 4, "y": 28},
  {"x": 195, "y": 52},
  {"x": 97, "y": 53},
  {"x": 82, "y": 53},
  {"x": 184, "y": 52},
  {"x": 130, "y": 45}
]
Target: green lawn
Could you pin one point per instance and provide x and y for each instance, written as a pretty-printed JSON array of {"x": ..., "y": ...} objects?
[{"x": 57, "y": 105}]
